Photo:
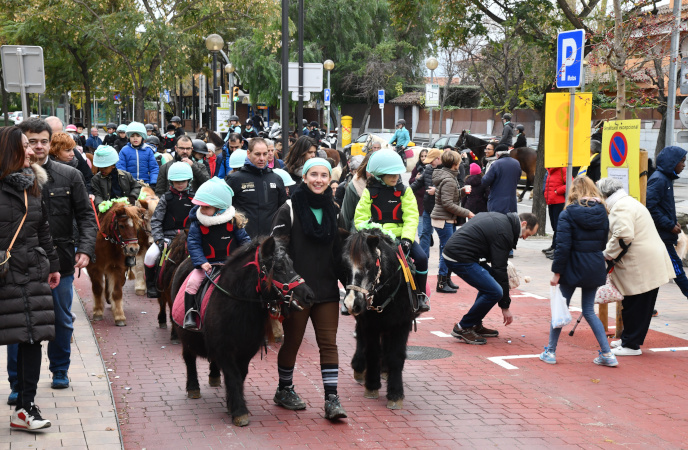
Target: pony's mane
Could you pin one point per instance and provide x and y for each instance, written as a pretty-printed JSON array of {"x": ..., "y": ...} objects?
[
  {"x": 178, "y": 247},
  {"x": 358, "y": 243},
  {"x": 119, "y": 208}
]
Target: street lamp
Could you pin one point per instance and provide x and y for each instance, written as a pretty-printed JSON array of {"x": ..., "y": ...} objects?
[
  {"x": 214, "y": 44},
  {"x": 328, "y": 65},
  {"x": 229, "y": 70},
  {"x": 431, "y": 63}
]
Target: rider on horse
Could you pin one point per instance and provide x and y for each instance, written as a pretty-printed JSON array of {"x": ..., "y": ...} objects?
[
  {"x": 216, "y": 230},
  {"x": 110, "y": 182},
  {"x": 170, "y": 217}
]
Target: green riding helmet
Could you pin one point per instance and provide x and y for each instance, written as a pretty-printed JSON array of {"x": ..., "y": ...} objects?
[
  {"x": 238, "y": 158},
  {"x": 105, "y": 156},
  {"x": 136, "y": 128},
  {"x": 385, "y": 162},
  {"x": 288, "y": 180},
  {"x": 122, "y": 128},
  {"x": 214, "y": 192},
  {"x": 179, "y": 171}
]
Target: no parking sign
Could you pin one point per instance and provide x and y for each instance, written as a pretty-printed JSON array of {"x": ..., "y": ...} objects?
[{"x": 621, "y": 154}]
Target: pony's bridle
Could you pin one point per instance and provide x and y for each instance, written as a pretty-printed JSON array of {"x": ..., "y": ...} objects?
[
  {"x": 377, "y": 287},
  {"x": 284, "y": 290},
  {"x": 118, "y": 239}
]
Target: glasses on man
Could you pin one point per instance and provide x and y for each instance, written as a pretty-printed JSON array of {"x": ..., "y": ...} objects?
[
  {"x": 35, "y": 142},
  {"x": 185, "y": 148}
]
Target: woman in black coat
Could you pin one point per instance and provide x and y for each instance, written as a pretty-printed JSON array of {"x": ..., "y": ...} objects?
[
  {"x": 26, "y": 302},
  {"x": 309, "y": 222}
]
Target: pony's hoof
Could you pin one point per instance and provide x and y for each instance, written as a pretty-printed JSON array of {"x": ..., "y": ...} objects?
[
  {"x": 384, "y": 375},
  {"x": 241, "y": 421},
  {"x": 107, "y": 300},
  {"x": 193, "y": 393},
  {"x": 97, "y": 317},
  {"x": 215, "y": 382},
  {"x": 520, "y": 199},
  {"x": 395, "y": 404},
  {"x": 163, "y": 325},
  {"x": 359, "y": 377},
  {"x": 371, "y": 394},
  {"x": 121, "y": 323},
  {"x": 140, "y": 292}
]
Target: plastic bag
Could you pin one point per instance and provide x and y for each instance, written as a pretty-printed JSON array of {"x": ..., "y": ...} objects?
[
  {"x": 560, "y": 310},
  {"x": 514, "y": 279},
  {"x": 608, "y": 293}
]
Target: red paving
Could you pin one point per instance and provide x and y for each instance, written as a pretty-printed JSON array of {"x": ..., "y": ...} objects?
[{"x": 461, "y": 401}]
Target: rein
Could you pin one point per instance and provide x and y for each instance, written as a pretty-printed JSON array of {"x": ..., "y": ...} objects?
[{"x": 117, "y": 240}]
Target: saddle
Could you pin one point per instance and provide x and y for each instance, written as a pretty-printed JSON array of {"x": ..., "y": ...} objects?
[{"x": 205, "y": 290}]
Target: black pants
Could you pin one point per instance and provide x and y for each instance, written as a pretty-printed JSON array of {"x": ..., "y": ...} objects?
[
  {"x": 554, "y": 211},
  {"x": 28, "y": 371},
  {"x": 637, "y": 315}
]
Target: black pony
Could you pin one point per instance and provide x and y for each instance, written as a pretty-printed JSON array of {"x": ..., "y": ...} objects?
[
  {"x": 176, "y": 254},
  {"x": 256, "y": 278},
  {"x": 377, "y": 296}
]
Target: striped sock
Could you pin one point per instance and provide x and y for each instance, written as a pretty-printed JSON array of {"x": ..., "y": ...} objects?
[
  {"x": 286, "y": 376},
  {"x": 330, "y": 376}
]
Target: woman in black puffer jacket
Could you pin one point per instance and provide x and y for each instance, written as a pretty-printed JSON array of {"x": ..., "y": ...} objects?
[{"x": 26, "y": 302}]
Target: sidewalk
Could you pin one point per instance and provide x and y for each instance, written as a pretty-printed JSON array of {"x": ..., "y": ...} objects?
[{"x": 83, "y": 415}]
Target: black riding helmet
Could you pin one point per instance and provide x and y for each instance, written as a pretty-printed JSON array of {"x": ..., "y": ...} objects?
[
  {"x": 200, "y": 147},
  {"x": 176, "y": 119},
  {"x": 153, "y": 140},
  {"x": 111, "y": 125},
  {"x": 150, "y": 127},
  {"x": 521, "y": 128},
  {"x": 315, "y": 124}
]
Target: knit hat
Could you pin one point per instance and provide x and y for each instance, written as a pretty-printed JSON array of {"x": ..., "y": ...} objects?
[
  {"x": 71, "y": 127},
  {"x": 214, "y": 192},
  {"x": 475, "y": 169},
  {"x": 105, "y": 156},
  {"x": 309, "y": 164}
]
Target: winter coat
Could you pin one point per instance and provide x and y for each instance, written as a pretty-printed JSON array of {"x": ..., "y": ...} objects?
[
  {"x": 26, "y": 302},
  {"x": 221, "y": 167},
  {"x": 660, "y": 193},
  {"x": 555, "y": 186},
  {"x": 194, "y": 240},
  {"x": 502, "y": 178},
  {"x": 425, "y": 182},
  {"x": 582, "y": 233},
  {"x": 521, "y": 141},
  {"x": 139, "y": 162},
  {"x": 593, "y": 170},
  {"x": 646, "y": 265},
  {"x": 249, "y": 134},
  {"x": 83, "y": 167},
  {"x": 476, "y": 201},
  {"x": 158, "y": 219},
  {"x": 447, "y": 196},
  {"x": 405, "y": 230},
  {"x": 258, "y": 194},
  {"x": 319, "y": 263},
  {"x": 507, "y": 134},
  {"x": 66, "y": 200},
  {"x": 102, "y": 187},
  {"x": 200, "y": 176},
  {"x": 120, "y": 143},
  {"x": 420, "y": 193},
  {"x": 110, "y": 139},
  {"x": 401, "y": 138},
  {"x": 491, "y": 236},
  {"x": 92, "y": 143},
  {"x": 352, "y": 195}
]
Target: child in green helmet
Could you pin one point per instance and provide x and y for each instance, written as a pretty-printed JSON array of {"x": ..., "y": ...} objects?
[
  {"x": 110, "y": 182},
  {"x": 387, "y": 202},
  {"x": 216, "y": 231},
  {"x": 169, "y": 218}
]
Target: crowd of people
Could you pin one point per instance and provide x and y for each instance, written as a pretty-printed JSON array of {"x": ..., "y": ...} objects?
[{"x": 226, "y": 192}]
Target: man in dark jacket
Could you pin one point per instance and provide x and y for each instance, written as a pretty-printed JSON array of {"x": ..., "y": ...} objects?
[
  {"x": 66, "y": 200},
  {"x": 93, "y": 142},
  {"x": 508, "y": 131},
  {"x": 490, "y": 236},
  {"x": 183, "y": 151},
  {"x": 660, "y": 202},
  {"x": 258, "y": 191},
  {"x": 502, "y": 177}
]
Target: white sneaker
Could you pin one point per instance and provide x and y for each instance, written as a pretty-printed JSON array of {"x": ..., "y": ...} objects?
[
  {"x": 28, "y": 420},
  {"x": 624, "y": 351},
  {"x": 615, "y": 344}
]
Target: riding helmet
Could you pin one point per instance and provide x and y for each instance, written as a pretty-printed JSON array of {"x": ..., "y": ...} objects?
[
  {"x": 120, "y": 129},
  {"x": 179, "y": 171},
  {"x": 520, "y": 128},
  {"x": 234, "y": 118},
  {"x": 150, "y": 127},
  {"x": 105, "y": 156},
  {"x": 237, "y": 158},
  {"x": 214, "y": 192},
  {"x": 315, "y": 124},
  {"x": 136, "y": 128},
  {"x": 176, "y": 119},
  {"x": 111, "y": 125},
  {"x": 401, "y": 122},
  {"x": 153, "y": 140},
  {"x": 385, "y": 162},
  {"x": 200, "y": 147},
  {"x": 284, "y": 175},
  {"x": 506, "y": 116}
]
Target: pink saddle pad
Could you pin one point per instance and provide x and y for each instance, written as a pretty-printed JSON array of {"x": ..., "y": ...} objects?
[{"x": 178, "y": 309}]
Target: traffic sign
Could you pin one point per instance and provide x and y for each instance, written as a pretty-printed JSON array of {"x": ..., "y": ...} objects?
[
  {"x": 618, "y": 149},
  {"x": 682, "y": 137},
  {"x": 557, "y": 130},
  {"x": 166, "y": 93},
  {"x": 312, "y": 77},
  {"x": 570, "y": 58},
  {"x": 327, "y": 97},
  {"x": 381, "y": 97},
  {"x": 22, "y": 68},
  {"x": 432, "y": 95},
  {"x": 117, "y": 97},
  {"x": 295, "y": 96}
]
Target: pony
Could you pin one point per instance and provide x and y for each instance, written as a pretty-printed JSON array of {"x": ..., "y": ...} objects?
[
  {"x": 525, "y": 156},
  {"x": 176, "y": 254},
  {"x": 376, "y": 297},
  {"x": 117, "y": 239},
  {"x": 148, "y": 201},
  {"x": 256, "y": 279}
]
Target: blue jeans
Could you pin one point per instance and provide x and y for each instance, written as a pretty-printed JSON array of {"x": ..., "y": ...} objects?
[
  {"x": 444, "y": 235},
  {"x": 420, "y": 259},
  {"x": 60, "y": 349},
  {"x": 680, "y": 280},
  {"x": 489, "y": 291},
  {"x": 588, "y": 306},
  {"x": 426, "y": 233}
]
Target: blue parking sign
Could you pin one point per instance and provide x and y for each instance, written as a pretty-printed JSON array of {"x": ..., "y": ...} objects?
[
  {"x": 381, "y": 97},
  {"x": 326, "y": 96},
  {"x": 570, "y": 58}
]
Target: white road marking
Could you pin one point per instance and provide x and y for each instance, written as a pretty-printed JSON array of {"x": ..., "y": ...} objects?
[
  {"x": 441, "y": 334},
  {"x": 500, "y": 360},
  {"x": 425, "y": 318},
  {"x": 528, "y": 294},
  {"x": 669, "y": 349}
]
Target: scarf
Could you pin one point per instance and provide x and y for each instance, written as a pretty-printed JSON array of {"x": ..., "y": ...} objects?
[
  {"x": 73, "y": 163},
  {"x": 303, "y": 199},
  {"x": 22, "y": 179}
]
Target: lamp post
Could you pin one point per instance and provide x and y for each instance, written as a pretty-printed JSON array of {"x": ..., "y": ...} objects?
[
  {"x": 229, "y": 69},
  {"x": 214, "y": 44},
  {"x": 328, "y": 65},
  {"x": 431, "y": 63}
]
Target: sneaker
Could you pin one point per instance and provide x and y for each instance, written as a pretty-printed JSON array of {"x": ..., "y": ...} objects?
[
  {"x": 609, "y": 361},
  {"x": 469, "y": 336},
  {"x": 60, "y": 380},
  {"x": 288, "y": 398},
  {"x": 12, "y": 399},
  {"x": 615, "y": 344},
  {"x": 334, "y": 409},
  {"x": 29, "y": 420},
  {"x": 547, "y": 250},
  {"x": 548, "y": 356},
  {"x": 625, "y": 351},
  {"x": 485, "y": 332}
]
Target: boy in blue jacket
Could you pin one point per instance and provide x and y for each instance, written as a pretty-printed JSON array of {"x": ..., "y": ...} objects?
[
  {"x": 138, "y": 158},
  {"x": 213, "y": 220}
]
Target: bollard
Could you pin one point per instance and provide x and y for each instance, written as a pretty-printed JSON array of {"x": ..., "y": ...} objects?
[{"x": 347, "y": 123}]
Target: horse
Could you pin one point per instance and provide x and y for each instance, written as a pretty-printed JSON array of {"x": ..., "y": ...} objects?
[
  {"x": 176, "y": 254},
  {"x": 117, "y": 239},
  {"x": 525, "y": 156},
  {"x": 256, "y": 279},
  {"x": 148, "y": 201},
  {"x": 382, "y": 309}
]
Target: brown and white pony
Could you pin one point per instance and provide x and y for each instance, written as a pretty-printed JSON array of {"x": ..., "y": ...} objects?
[{"x": 117, "y": 239}]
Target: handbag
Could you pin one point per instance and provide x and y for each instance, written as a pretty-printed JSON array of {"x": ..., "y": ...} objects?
[
  {"x": 5, "y": 255},
  {"x": 608, "y": 293}
]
